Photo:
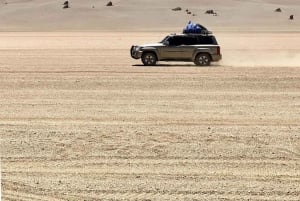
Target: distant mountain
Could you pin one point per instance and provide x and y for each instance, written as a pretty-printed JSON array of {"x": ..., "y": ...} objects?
[{"x": 154, "y": 15}]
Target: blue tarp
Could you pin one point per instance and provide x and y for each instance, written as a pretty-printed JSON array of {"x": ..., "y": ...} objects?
[{"x": 193, "y": 28}]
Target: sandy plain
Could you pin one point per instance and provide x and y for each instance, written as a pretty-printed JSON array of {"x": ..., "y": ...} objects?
[{"x": 81, "y": 120}]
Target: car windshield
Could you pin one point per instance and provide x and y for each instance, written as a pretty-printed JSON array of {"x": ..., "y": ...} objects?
[{"x": 165, "y": 39}]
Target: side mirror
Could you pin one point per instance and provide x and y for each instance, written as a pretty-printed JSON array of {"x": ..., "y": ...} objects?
[{"x": 166, "y": 43}]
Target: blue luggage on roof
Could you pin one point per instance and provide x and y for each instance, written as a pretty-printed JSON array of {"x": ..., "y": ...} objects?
[{"x": 194, "y": 28}]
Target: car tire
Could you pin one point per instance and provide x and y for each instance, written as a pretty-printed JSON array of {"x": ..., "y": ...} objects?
[
  {"x": 149, "y": 59},
  {"x": 202, "y": 60}
]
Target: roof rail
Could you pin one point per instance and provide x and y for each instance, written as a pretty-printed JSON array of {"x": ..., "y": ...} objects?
[{"x": 203, "y": 34}]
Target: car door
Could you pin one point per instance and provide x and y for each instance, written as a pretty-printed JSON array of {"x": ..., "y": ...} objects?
[
  {"x": 173, "y": 50},
  {"x": 188, "y": 47}
]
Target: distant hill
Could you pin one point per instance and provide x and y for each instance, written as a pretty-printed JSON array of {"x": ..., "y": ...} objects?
[{"x": 152, "y": 15}]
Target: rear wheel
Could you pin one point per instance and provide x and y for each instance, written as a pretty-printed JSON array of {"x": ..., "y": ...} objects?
[
  {"x": 202, "y": 60},
  {"x": 149, "y": 59}
]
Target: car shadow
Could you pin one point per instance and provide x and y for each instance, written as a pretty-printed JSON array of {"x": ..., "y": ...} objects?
[{"x": 176, "y": 65}]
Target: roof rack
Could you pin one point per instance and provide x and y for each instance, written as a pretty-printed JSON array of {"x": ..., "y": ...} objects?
[
  {"x": 198, "y": 34},
  {"x": 203, "y": 32}
]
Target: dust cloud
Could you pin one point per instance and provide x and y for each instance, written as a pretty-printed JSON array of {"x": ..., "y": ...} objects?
[
  {"x": 264, "y": 49},
  {"x": 262, "y": 58}
]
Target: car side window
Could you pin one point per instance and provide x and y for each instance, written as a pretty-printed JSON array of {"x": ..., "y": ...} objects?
[
  {"x": 205, "y": 40},
  {"x": 189, "y": 40},
  {"x": 171, "y": 41},
  {"x": 176, "y": 41},
  {"x": 182, "y": 40}
]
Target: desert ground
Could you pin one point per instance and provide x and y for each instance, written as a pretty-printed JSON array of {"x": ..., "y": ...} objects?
[{"x": 81, "y": 120}]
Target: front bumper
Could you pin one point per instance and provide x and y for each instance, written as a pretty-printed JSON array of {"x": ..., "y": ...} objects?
[{"x": 135, "y": 53}]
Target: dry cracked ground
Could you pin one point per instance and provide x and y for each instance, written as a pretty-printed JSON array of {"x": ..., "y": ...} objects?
[{"x": 81, "y": 120}]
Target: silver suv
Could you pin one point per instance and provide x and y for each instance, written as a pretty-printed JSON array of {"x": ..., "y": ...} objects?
[{"x": 202, "y": 49}]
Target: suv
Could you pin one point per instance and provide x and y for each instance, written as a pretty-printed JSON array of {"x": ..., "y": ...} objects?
[{"x": 202, "y": 49}]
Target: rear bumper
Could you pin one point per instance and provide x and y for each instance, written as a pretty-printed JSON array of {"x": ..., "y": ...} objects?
[
  {"x": 216, "y": 57},
  {"x": 134, "y": 53}
]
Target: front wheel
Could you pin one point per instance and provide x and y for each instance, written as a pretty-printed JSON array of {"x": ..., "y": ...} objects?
[
  {"x": 149, "y": 59},
  {"x": 202, "y": 60}
]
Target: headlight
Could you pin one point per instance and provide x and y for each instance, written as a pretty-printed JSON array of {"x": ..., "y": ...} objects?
[{"x": 137, "y": 48}]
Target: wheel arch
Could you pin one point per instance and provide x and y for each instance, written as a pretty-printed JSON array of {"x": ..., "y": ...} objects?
[
  {"x": 154, "y": 51},
  {"x": 201, "y": 52}
]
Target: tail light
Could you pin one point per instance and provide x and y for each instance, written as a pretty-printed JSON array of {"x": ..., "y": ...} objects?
[{"x": 219, "y": 50}]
